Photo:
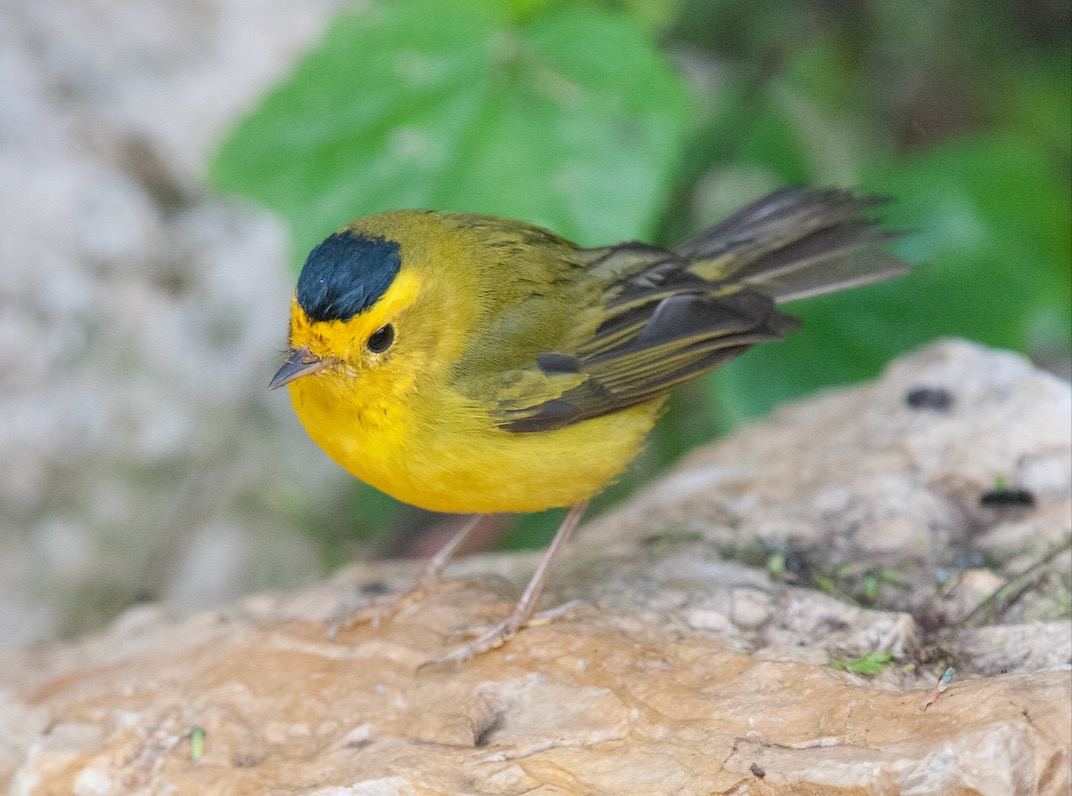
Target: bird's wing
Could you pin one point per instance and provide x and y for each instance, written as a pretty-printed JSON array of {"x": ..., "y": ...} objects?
[
  {"x": 659, "y": 326},
  {"x": 622, "y": 325},
  {"x": 660, "y": 318}
]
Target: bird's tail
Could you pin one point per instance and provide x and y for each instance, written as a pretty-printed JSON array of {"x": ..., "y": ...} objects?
[{"x": 796, "y": 243}]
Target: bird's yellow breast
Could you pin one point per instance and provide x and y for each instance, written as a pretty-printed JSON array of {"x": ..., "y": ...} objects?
[{"x": 437, "y": 452}]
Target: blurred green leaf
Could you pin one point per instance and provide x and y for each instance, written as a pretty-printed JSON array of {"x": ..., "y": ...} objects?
[
  {"x": 1035, "y": 99},
  {"x": 995, "y": 222},
  {"x": 868, "y": 665},
  {"x": 573, "y": 120},
  {"x": 827, "y": 74}
]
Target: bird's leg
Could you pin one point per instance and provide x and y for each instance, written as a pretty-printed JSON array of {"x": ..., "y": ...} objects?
[
  {"x": 499, "y": 634},
  {"x": 381, "y": 608}
]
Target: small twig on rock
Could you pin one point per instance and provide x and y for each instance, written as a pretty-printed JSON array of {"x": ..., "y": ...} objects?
[
  {"x": 1018, "y": 586},
  {"x": 938, "y": 690}
]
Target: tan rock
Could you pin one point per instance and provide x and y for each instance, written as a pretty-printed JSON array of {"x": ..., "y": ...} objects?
[
  {"x": 578, "y": 707},
  {"x": 683, "y": 672}
]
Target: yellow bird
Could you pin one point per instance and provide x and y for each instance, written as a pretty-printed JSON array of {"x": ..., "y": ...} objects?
[{"x": 467, "y": 363}]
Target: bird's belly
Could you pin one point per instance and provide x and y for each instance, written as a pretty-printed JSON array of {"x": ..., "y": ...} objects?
[
  {"x": 504, "y": 471},
  {"x": 464, "y": 468}
]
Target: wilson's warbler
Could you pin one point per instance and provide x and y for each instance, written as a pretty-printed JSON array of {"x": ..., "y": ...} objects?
[{"x": 466, "y": 363}]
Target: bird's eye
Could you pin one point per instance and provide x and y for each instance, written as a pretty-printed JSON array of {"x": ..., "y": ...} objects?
[{"x": 381, "y": 339}]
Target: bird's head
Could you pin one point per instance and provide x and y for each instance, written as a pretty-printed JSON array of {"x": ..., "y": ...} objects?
[
  {"x": 369, "y": 305},
  {"x": 341, "y": 316}
]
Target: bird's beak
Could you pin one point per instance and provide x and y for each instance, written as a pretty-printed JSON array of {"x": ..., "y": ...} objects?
[{"x": 301, "y": 362}]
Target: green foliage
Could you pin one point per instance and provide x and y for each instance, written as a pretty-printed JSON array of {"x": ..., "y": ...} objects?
[
  {"x": 572, "y": 120},
  {"x": 566, "y": 114},
  {"x": 197, "y": 742},
  {"x": 868, "y": 665}
]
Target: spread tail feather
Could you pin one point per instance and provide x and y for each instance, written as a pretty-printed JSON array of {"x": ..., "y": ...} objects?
[{"x": 796, "y": 243}]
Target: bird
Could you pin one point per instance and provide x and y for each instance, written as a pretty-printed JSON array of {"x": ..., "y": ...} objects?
[{"x": 471, "y": 364}]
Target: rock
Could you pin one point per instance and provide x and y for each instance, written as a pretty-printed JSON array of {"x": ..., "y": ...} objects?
[
  {"x": 147, "y": 314},
  {"x": 880, "y": 499},
  {"x": 682, "y": 672},
  {"x": 580, "y": 706}
]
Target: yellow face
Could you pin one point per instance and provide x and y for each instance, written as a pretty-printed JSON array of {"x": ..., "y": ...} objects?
[
  {"x": 377, "y": 306},
  {"x": 351, "y": 381},
  {"x": 371, "y": 341}
]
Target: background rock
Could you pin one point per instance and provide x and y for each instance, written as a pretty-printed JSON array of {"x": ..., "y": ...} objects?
[
  {"x": 685, "y": 670},
  {"x": 874, "y": 495},
  {"x": 142, "y": 316}
]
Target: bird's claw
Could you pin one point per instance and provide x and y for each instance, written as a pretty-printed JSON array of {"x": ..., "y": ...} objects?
[{"x": 495, "y": 636}]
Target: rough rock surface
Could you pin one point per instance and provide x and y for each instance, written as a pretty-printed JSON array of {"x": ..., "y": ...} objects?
[
  {"x": 943, "y": 481},
  {"x": 684, "y": 671}
]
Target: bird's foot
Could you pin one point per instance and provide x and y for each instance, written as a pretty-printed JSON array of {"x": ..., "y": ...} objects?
[{"x": 494, "y": 637}]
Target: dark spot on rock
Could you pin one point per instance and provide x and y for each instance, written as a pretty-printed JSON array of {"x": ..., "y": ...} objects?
[
  {"x": 757, "y": 770},
  {"x": 375, "y": 589},
  {"x": 483, "y": 735},
  {"x": 936, "y": 398},
  {"x": 797, "y": 564},
  {"x": 1007, "y": 498}
]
